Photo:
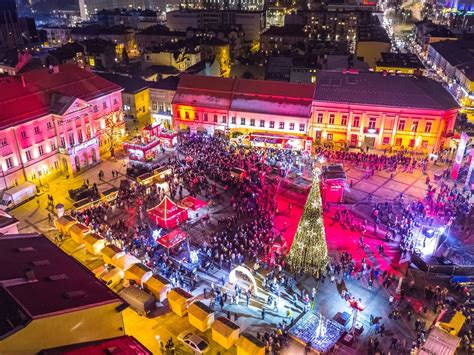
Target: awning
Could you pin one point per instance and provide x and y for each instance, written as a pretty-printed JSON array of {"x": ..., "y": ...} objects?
[
  {"x": 173, "y": 238},
  {"x": 192, "y": 203}
]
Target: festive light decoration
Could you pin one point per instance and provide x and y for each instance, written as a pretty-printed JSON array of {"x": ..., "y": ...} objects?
[{"x": 309, "y": 252}]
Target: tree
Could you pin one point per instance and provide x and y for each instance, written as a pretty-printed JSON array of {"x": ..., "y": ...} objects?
[{"x": 309, "y": 252}]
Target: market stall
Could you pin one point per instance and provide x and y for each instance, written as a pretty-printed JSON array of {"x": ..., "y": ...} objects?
[
  {"x": 158, "y": 286},
  {"x": 439, "y": 342},
  {"x": 179, "y": 301},
  {"x": 78, "y": 231},
  {"x": 451, "y": 321},
  {"x": 109, "y": 195},
  {"x": 333, "y": 182},
  {"x": 94, "y": 243},
  {"x": 225, "y": 332},
  {"x": 137, "y": 272},
  {"x": 141, "y": 149},
  {"x": 161, "y": 174},
  {"x": 109, "y": 252},
  {"x": 172, "y": 239},
  {"x": 64, "y": 223},
  {"x": 124, "y": 260},
  {"x": 167, "y": 214},
  {"x": 249, "y": 345},
  {"x": 146, "y": 179},
  {"x": 200, "y": 316},
  {"x": 192, "y": 203}
]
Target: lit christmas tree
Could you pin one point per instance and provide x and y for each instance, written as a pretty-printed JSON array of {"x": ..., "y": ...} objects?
[{"x": 309, "y": 252}]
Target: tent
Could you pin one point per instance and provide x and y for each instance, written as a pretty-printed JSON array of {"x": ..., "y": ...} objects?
[
  {"x": 109, "y": 252},
  {"x": 124, "y": 260},
  {"x": 167, "y": 214},
  {"x": 192, "y": 203},
  {"x": 172, "y": 239}
]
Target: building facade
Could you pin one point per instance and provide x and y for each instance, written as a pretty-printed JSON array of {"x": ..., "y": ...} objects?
[{"x": 55, "y": 122}]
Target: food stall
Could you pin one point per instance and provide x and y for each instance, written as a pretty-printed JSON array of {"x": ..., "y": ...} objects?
[
  {"x": 249, "y": 345},
  {"x": 109, "y": 195},
  {"x": 94, "y": 243},
  {"x": 109, "y": 252},
  {"x": 333, "y": 182},
  {"x": 167, "y": 138},
  {"x": 179, "y": 300},
  {"x": 78, "y": 231},
  {"x": 142, "y": 150},
  {"x": 124, "y": 260},
  {"x": 451, "y": 321},
  {"x": 172, "y": 239},
  {"x": 137, "y": 272},
  {"x": 64, "y": 223},
  {"x": 158, "y": 286},
  {"x": 200, "y": 316},
  {"x": 192, "y": 203},
  {"x": 439, "y": 342},
  {"x": 161, "y": 174},
  {"x": 225, "y": 332},
  {"x": 167, "y": 214},
  {"x": 146, "y": 179}
]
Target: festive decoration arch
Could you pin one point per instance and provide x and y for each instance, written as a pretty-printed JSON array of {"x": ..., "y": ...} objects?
[{"x": 246, "y": 272}]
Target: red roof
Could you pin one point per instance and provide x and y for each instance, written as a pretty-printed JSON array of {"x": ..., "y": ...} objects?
[
  {"x": 20, "y": 103},
  {"x": 173, "y": 238},
  {"x": 124, "y": 345},
  {"x": 201, "y": 82},
  {"x": 274, "y": 88}
]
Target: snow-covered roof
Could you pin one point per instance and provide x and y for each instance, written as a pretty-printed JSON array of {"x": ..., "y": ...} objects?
[{"x": 269, "y": 105}]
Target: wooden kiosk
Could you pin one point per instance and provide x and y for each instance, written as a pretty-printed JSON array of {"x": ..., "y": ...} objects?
[
  {"x": 249, "y": 345},
  {"x": 136, "y": 273},
  {"x": 94, "y": 243},
  {"x": 225, "y": 332},
  {"x": 179, "y": 300},
  {"x": 158, "y": 286},
  {"x": 78, "y": 231},
  {"x": 109, "y": 252},
  {"x": 64, "y": 223},
  {"x": 200, "y": 316}
]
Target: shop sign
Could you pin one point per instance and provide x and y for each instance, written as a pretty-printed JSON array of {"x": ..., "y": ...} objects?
[
  {"x": 83, "y": 145},
  {"x": 459, "y": 155}
]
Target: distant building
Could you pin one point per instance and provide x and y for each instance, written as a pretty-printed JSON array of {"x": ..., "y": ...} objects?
[
  {"x": 49, "y": 299},
  {"x": 278, "y": 68},
  {"x": 181, "y": 55},
  {"x": 57, "y": 36},
  {"x": 10, "y": 26},
  {"x": 372, "y": 41},
  {"x": 138, "y": 19},
  {"x": 157, "y": 35},
  {"x": 252, "y": 23},
  {"x": 426, "y": 33},
  {"x": 161, "y": 99},
  {"x": 402, "y": 63},
  {"x": 99, "y": 53},
  {"x": 281, "y": 39}
]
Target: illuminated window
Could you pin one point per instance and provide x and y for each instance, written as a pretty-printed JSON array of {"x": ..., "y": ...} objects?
[
  {"x": 414, "y": 126},
  {"x": 49, "y": 125},
  {"x": 205, "y": 118},
  {"x": 215, "y": 119},
  {"x": 412, "y": 143},
  {"x": 23, "y": 134},
  {"x": 40, "y": 150},
  {"x": 344, "y": 120},
  {"x": 91, "y": 62},
  {"x": 320, "y": 118},
  {"x": 282, "y": 125},
  {"x": 272, "y": 124},
  {"x": 313, "y": 79},
  {"x": 401, "y": 125},
  {"x": 63, "y": 142},
  {"x": 53, "y": 145},
  {"x": 233, "y": 120},
  {"x": 372, "y": 122},
  {"x": 28, "y": 155},
  {"x": 262, "y": 123},
  {"x": 386, "y": 140},
  {"x": 332, "y": 118},
  {"x": 71, "y": 139},
  {"x": 9, "y": 162},
  {"x": 424, "y": 144},
  {"x": 242, "y": 120},
  {"x": 186, "y": 114},
  {"x": 252, "y": 122},
  {"x": 302, "y": 127},
  {"x": 428, "y": 127},
  {"x": 356, "y": 121},
  {"x": 224, "y": 119},
  {"x": 292, "y": 126},
  {"x": 398, "y": 142}
]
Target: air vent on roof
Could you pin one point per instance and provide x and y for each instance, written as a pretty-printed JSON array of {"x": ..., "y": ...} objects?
[
  {"x": 74, "y": 295},
  {"x": 57, "y": 277},
  {"x": 25, "y": 249},
  {"x": 41, "y": 262}
]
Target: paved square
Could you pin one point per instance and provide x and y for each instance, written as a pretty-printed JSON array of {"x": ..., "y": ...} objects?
[
  {"x": 386, "y": 193},
  {"x": 355, "y": 174},
  {"x": 396, "y": 186},
  {"x": 366, "y": 186},
  {"x": 377, "y": 180},
  {"x": 421, "y": 184},
  {"x": 416, "y": 192},
  {"x": 405, "y": 178}
]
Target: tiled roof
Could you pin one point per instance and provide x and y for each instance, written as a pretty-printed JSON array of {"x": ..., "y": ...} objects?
[
  {"x": 20, "y": 103},
  {"x": 455, "y": 52},
  {"x": 367, "y": 88},
  {"x": 129, "y": 84}
]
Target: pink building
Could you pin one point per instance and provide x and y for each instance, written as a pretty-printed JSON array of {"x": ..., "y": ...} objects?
[{"x": 55, "y": 121}]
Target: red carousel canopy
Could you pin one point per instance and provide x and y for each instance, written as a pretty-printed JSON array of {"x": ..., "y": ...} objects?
[
  {"x": 167, "y": 214},
  {"x": 173, "y": 238}
]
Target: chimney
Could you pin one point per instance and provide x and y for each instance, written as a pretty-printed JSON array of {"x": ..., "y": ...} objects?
[
  {"x": 23, "y": 81},
  {"x": 30, "y": 275}
]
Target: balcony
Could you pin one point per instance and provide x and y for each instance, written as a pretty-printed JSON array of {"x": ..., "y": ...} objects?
[{"x": 369, "y": 130}]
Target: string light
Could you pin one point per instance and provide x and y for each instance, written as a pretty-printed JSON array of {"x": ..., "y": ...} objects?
[{"x": 309, "y": 251}]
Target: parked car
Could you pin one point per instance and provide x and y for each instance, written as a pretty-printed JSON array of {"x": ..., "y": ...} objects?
[{"x": 194, "y": 342}]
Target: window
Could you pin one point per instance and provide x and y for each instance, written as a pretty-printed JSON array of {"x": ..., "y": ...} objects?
[
  {"x": 215, "y": 119},
  {"x": 428, "y": 127},
  {"x": 196, "y": 115},
  {"x": 53, "y": 145},
  {"x": 154, "y": 106},
  {"x": 332, "y": 118},
  {"x": 104, "y": 105},
  {"x": 63, "y": 142},
  {"x": 398, "y": 142},
  {"x": 356, "y": 121},
  {"x": 49, "y": 125},
  {"x": 292, "y": 126},
  {"x": 386, "y": 140},
  {"x": 115, "y": 101},
  {"x": 414, "y": 126},
  {"x": 411, "y": 144},
  {"x": 262, "y": 123},
  {"x": 224, "y": 119},
  {"x": 344, "y": 120},
  {"x": 272, "y": 124},
  {"x": 9, "y": 162},
  {"x": 23, "y": 134},
  {"x": 302, "y": 127},
  {"x": 79, "y": 136},
  {"x": 4, "y": 141},
  {"x": 233, "y": 120},
  {"x": 282, "y": 125},
  {"x": 320, "y": 118},
  {"x": 401, "y": 125},
  {"x": 56, "y": 164},
  {"x": 40, "y": 150},
  {"x": 205, "y": 117},
  {"x": 186, "y": 115},
  {"x": 71, "y": 139},
  {"x": 95, "y": 108},
  {"x": 60, "y": 123},
  {"x": 242, "y": 120},
  {"x": 28, "y": 155},
  {"x": 37, "y": 130},
  {"x": 372, "y": 122},
  {"x": 252, "y": 122},
  {"x": 424, "y": 144}
]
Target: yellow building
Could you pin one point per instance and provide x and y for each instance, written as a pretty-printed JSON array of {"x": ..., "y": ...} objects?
[
  {"x": 49, "y": 299},
  {"x": 372, "y": 41},
  {"x": 381, "y": 111},
  {"x": 400, "y": 63}
]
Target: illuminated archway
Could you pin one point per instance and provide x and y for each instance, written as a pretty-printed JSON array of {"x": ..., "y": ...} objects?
[{"x": 246, "y": 272}]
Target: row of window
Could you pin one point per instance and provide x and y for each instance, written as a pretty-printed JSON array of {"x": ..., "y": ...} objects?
[
  {"x": 373, "y": 122},
  {"x": 29, "y": 155}
]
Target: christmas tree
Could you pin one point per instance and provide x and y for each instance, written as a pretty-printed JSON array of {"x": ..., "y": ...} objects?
[{"x": 309, "y": 252}]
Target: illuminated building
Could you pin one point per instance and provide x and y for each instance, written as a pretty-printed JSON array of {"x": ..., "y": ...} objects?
[
  {"x": 161, "y": 98},
  {"x": 280, "y": 39},
  {"x": 10, "y": 27},
  {"x": 55, "y": 121},
  {"x": 372, "y": 41},
  {"x": 427, "y": 33},
  {"x": 49, "y": 299},
  {"x": 347, "y": 108},
  {"x": 400, "y": 63},
  {"x": 382, "y": 111}
]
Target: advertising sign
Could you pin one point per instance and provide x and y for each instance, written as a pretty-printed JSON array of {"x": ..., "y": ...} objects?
[{"x": 459, "y": 155}]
